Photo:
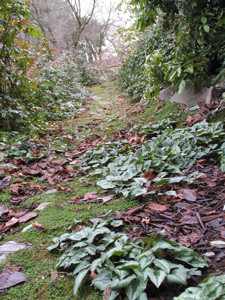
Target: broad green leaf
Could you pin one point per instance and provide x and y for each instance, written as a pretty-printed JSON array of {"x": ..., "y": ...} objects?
[
  {"x": 156, "y": 276},
  {"x": 113, "y": 295},
  {"x": 182, "y": 86},
  {"x": 146, "y": 261},
  {"x": 164, "y": 265},
  {"x": 143, "y": 297},
  {"x": 83, "y": 265},
  {"x": 106, "y": 184},
  {"x": 78, "y": 280},
  {"x": 130, "y": 264},
  {"x": 102, "y": 280},
  {"x": 204, "y": 20},
  {"x": 177, "y": 276},
  {"x": 136, "y": 289},
  {"x": 212, "y": 288},
  {"x": 116, "y": 223},
  {"x": 206, "y": 28},
  {"x": 118, "y": 284}
]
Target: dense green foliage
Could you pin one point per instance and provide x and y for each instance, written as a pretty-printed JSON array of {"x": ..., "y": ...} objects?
[
  {"x": 33, "y": 88},
  {"x": 121, "y": 267},
  {"x": 184, "y": 43},
  {"x": 212, "y": 288},
  {"x": 15, "y": 61},
  {"x": 59, "y": 88}
]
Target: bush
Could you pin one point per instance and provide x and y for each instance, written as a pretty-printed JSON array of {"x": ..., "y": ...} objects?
[{"x": 186, "y": 45}]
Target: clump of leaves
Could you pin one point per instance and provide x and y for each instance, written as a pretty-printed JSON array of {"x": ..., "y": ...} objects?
[
  {"x": 167, "y": 153},
  {"x": 211, "y": 288},
  {"x": 154, "y": 129},
  {"x": 104, "y": 154},
  {"x": 120, "y": 267}
]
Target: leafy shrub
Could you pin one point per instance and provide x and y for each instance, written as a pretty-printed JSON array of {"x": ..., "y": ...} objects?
[
  {"x": 121, "y": 267},
  {"x": 185, "y": 45},
  {"x": 89, "y": 76},
  {"x": 34, "y": 90},
  {"x": 135, "y": 74},
  {"x": 59, "y": 88},
  {"x": 16, "y": 102}
]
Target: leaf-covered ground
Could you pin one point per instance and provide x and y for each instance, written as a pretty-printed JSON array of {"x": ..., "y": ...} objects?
[{"x": 47, "y": 169}]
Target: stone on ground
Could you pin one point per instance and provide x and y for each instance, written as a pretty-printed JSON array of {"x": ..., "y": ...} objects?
[{"x": 188, "y": 96}]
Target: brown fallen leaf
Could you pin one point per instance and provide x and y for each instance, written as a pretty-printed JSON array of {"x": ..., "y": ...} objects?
[
  {"x": 3, "y": 209},
  {"x": 27, "y": 217},
  {"x": 17, "y": 214},
  {"x": 146, "y": 221},
  {"x": 211, "y": 183},
  {"x": 90, "y": 196},
  {"x": 189, "y": 220},
  {"x": 157, "y": 207},
  {"x": 93, "y": 274},
  {"x": 39, "y": 227},
  {"x": 54, "y": 275},
  {"x": 188, "y": 194},
  {"x": 107, "y": 292},
  {"x": 10, "y": 277},
  {"x": 148, "y": 175},
  {"x": 5, "y": 182},
  {"x": 12, "y": 222},
  {"x": 107, "y": 198},
  {"x": 76, "y": 198},
  {"x": 134, "y": 210}
]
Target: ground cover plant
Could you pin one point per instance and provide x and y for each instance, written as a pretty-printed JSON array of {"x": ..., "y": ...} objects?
[
  {"x": 119, "y": 267},
  {"x": 169, "y": 152}
]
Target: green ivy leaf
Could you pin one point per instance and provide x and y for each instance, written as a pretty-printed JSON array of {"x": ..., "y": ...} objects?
[{"x": 78, "y": 280}]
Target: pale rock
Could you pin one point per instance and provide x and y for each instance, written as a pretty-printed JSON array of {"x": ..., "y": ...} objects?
[{"x": 188, "y": 96}]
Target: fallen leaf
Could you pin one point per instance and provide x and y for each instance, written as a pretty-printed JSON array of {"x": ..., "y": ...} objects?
[
  {"x": 10, "y": 277},
  {"x": 188, "y": 194},
  {"x": 210, "y": 182},
  {"x": 157, "y": 207},
  {"x": 107, "y": 292},
  {"x": 39, "y": 226},
  {"x": 189, "y": 220},
  {"x": 27, "y": 217},
  {"x": 54, "y": 275},
  {"x": 3, "y": 209},
  {"x": 5, "y": 182},
  {"x": 106, "y": 199},
  {"x": 146, "y": 221},
  {"x": 12, "y": 222},
  {"x": 93, "y": 274},
  {"x": 134, "y": 210},
  {"x": 148, "y": 175},
  {"x": 90, "y": 196},
  {"x": 51, "y": 192},
  {"x": 15, "y": 187}
]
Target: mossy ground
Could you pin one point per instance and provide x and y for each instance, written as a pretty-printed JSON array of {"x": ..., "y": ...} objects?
[{"x": 111, "y": 111}]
